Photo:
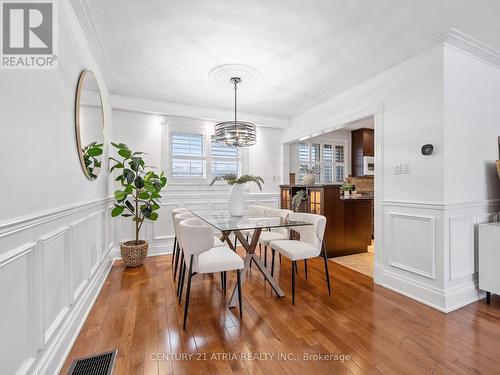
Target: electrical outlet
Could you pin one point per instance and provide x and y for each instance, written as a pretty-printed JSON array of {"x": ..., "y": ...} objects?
[
  {"x": 406, "y": 167},
  {"x": 397, "y": 169}
]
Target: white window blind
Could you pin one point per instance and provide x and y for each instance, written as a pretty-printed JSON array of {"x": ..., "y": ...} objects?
[
  {"x": 224, "y": 159},
  {"x": 187, "y": 155},
  {"x": 327, "y": 158}
]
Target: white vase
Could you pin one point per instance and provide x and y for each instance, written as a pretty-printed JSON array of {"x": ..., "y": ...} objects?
[
  {"x": 346, "y": 193},
  {"x": 309, "y": 179},
  {"x": 236, "y": 201}
]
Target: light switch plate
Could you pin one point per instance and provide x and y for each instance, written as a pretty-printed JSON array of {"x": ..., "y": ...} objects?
[
  {"x": 397, "y": 169},
  {"x": 406, "y": 167}
]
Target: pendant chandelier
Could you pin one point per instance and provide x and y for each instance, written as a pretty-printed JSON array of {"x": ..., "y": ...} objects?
[{"x": 236, "y": 133}]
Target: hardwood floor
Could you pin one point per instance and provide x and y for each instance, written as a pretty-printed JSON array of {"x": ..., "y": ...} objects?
[{"x": 382, "y": 331}]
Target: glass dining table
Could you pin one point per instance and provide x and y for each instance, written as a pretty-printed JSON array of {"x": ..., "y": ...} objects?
[{"x": 249, "y": 225}]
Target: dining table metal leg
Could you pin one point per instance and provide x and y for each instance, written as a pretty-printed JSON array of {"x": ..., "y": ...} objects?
[{"x": 252, "y": 257}]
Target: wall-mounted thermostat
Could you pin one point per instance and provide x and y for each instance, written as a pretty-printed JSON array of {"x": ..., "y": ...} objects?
[{"x": 427, "y": 149}]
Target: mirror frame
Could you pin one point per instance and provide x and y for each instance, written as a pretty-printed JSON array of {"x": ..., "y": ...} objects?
[{"x": 81, "y": 81}]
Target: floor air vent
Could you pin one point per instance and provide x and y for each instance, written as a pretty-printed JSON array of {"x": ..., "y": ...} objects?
[{"x": 98, "y": 364}]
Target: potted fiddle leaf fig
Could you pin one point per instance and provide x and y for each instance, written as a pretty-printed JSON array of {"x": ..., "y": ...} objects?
[{"x": 138, "y": 198}]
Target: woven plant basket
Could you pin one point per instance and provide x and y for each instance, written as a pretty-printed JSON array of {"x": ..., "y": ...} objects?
[{"x": 133, "y": 254}]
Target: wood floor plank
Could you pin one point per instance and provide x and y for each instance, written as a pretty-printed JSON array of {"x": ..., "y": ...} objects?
[{"x": 375, "y": 331}]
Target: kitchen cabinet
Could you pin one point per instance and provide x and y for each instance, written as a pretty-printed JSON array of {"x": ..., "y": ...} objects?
[
  {"x": 349, "y": 222},
  {"x": 362, "y": 144}
]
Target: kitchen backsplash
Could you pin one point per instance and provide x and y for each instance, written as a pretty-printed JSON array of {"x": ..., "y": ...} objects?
[{"x": 363, "y": 184}]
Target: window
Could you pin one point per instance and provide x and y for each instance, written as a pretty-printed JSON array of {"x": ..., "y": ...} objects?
[
  {"x": 327, "y": 158},
  {"x": 196, "y": 155},
  {"x": 187, "y": 155},
  {"x": 224, "y": 159}
]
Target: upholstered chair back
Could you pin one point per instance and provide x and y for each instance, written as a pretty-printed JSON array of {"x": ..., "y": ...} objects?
[
  {"x": 278, "y": 213},
  {"x": 312, "y": 234},
  {"x": 196, "y": 238}
]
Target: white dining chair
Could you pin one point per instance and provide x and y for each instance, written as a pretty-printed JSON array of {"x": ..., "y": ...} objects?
[
  {"x": 200, "y": 256},
  {"x": 177, "y": 219},
  {"x": 275, "y": 233},
  {"x": 176, "y": 249},
  {"x": 253, "y": 210},
  {"x": 310, "y": 245}
]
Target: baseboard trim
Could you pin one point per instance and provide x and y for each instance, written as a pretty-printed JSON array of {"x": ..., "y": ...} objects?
[
  {"x": 426, "y": 295},
  {"x": 442, "y": 300},
  {"x": 53, "y": 357}
]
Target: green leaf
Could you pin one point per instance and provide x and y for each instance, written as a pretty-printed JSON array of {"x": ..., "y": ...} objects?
[
  {"x": 139, "y": 182},
  {"x": 110, "y": 158},
  {"x": 163, "y": 180},
  {"x": 117, "y": 165},
  {"x": 155, "y": 195},
  {"x": 130, "y": 206},
  {"x": 94, "y": 151},
  {"x": 135, "y": 163},
  {"x": 124, "y": 153},
  {"x": 129, "y": 175},
  {"x": 144, "y": 195},
  {"x": 146, "y": 211},
  {"x": 128, "y": 189},
  {"x": 120, "y": 195},
  {"x": 153, "y": 216},
  {"x": 120, "y": 146},
  {"x": 117, "y": 211}
]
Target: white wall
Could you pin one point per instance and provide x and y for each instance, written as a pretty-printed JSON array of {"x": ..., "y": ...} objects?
[
  {"x": 419, "y": 233},
  {"x": 472, "y": 125},
  {"x": 472, "y": 187},
  {"x": 264, "y": 159},
  {"x": 55, "y": 230},
  {"x": 148, "y": 132}
]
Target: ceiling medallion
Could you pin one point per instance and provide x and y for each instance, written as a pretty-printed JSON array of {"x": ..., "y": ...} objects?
[
  {"x": 223, "y": 73},
  {"x": 236, "y": 133}
]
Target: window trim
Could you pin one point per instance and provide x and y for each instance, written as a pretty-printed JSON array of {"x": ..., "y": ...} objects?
[
  {"x": 201, "y": 158},
  {"x": 322, "y": 163},
  {"x": 207, "y": 131}
]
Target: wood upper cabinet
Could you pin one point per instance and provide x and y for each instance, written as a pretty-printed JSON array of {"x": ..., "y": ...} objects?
[
  {"x": 362, "y": 144},
  {"x": 368, "y": 142}
]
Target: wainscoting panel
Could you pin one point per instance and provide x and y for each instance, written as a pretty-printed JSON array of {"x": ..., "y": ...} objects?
[
  {"x": 80, "y": 257},
  {"x": 461, "y": 240},
  {"x": 53, "y": 281},
  {"x": 18, "y": 325},
  {"x": 93, "y": 240},
  {"x": 47, "y": 285},
  {"x": 412, "y": 243}
]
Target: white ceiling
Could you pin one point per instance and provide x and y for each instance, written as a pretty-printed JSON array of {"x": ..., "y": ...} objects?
[{"x": 305, "y": 50}]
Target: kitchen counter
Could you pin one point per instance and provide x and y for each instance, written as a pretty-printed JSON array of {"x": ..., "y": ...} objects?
[{"x": 357, "y": 198}]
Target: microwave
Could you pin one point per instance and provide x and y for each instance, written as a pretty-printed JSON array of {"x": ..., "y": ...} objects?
[{"x": 368, "y": 165}]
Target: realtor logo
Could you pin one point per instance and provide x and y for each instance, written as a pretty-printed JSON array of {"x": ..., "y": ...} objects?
[{"x": 28, "y": 35}]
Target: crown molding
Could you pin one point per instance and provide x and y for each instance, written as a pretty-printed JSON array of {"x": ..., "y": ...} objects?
[
  {"x": 160, "y": 107},
  {"x": 473, "y": 47},
  {"x": 88, "y": 25}
]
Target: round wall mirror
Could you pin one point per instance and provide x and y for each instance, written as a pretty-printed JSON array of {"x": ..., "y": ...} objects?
[{"x": 89, "y": 124}]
